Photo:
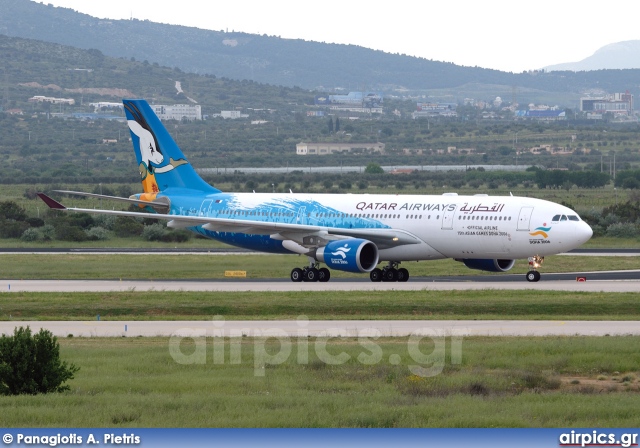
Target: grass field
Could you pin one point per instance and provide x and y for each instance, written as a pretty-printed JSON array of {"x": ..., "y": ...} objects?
[
  {"x": 92, "y": 266},
  {"x": 359, "y": 305},
  {"x": 503, "y": 382}
]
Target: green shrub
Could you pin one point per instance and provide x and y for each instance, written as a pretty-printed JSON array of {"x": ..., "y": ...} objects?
[
  {"x": 30, "y": 364},
  {"x": 31, "y": 234},
  {"x": 127, "y": 226},
  {"x": 154, "y": 232},
  {"x": 622, "y": 230},
  {"x": 12, "y": 229},
  {"x": 70, "y": 233},
  {"x": 97, "y": 234}
]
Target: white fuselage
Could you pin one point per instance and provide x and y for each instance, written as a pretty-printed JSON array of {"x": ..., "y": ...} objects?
[{"x": 448, "y": 226}]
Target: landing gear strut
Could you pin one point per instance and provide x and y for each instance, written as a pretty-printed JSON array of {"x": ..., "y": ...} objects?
[
  {"x": 534, "y": 263},
  {"x": 389, "y": 273},
  {"x": 311, "y": 273}
]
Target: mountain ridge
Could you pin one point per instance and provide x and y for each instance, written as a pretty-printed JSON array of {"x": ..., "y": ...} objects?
[
  {"x": 290, "y": 62},
  {"x": 614, "y": 56}
]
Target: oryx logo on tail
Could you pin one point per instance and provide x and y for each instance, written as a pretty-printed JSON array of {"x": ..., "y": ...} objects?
[{"x": 151, "y": 157}]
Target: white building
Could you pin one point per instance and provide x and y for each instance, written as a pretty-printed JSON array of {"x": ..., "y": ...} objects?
[
  {"x": 322, "y": 149},
  {"x": 178, "y": 112},
  {"x": 232, "y": 114},
  {"x": 48, "y": 99}
]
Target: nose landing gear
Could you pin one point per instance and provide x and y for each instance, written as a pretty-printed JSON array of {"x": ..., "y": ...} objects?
[{"x": 534, "y": 263}]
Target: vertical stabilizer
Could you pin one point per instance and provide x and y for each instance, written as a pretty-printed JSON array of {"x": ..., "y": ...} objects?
[{"x": 161, "y": 163}]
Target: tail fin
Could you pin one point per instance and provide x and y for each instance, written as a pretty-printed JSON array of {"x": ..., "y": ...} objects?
[{"x": 161, "y": 163}]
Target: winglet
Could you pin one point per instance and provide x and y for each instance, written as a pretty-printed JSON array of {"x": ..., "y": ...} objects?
[{"x": 51, "y": 203}]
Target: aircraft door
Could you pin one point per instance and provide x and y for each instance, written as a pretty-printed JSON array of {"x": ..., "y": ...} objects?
[
  {"x": 302, "y": 216},
  {"x": 447, "y": 219},
  {"x": 524, "y": 218}
]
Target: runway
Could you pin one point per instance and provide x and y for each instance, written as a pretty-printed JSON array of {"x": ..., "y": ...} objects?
[
  {"x": 284, "y": 285},
  {"x": 329, "y": 328}
]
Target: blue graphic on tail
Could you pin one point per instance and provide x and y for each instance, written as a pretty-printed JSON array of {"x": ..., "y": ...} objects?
[{"x": 161, "y": 163}]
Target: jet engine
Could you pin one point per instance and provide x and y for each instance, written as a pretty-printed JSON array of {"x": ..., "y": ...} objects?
[
  {"x": 488, "y": 264},
  {"x": 351, "y": 255}
]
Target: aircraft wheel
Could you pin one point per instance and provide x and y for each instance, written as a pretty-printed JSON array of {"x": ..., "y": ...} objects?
[
  {"x": 403, "y": 275},
  {"x": 324, "y": 274},
  {"x": 533, "y": 276},
  {"x": 375, "y": 275},
  {"x": 390, "y": 275},
  {"x": 296, "y": 275},
  {"x": 311, "y": 275}
]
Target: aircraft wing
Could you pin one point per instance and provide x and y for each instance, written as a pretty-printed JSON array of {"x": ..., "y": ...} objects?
[{"x": 305, "y": 235}]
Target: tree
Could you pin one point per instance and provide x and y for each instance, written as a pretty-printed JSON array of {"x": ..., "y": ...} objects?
[
  {"x": 30, "y": 364},
  {"x": 11, "y": 210},
  {"x": 373, "y": 168},
  {"x": 330, "y": 124}
]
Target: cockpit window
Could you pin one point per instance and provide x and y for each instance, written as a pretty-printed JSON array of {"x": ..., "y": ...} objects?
[
  {"x": 573, "y": 218},
  {"x": 556, "y": 218},
  {"x": 563, "y": 218}
]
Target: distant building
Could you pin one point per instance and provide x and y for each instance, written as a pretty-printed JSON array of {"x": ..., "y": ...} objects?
[
  {"x": 541, "y": 115},
  {"x": 232, "y": 114},
  {"x": 323, "y": 149},
  {"x": 106, "y": 105},
  {"x": 178, "y": 112},
  {"x": 364, "y": 102},
  {"x": 435, "y": 110},
  {"x": 617, "y": 103},
  {"x": 48, "y": 99}
]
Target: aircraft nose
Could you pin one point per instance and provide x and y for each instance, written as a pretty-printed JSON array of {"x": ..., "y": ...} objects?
[{"x": 583, "y": 232}]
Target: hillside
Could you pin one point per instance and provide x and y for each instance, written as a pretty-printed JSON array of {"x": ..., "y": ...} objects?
[
  {"x": 619, "y": 55},
  {"x": 290, "y": 62}
]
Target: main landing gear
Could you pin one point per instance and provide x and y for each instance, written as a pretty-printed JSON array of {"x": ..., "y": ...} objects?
[
  {"x": 311, "y": 273},
  {"x": 534, "y": 263},
  {"x": 389, "y": 273}
]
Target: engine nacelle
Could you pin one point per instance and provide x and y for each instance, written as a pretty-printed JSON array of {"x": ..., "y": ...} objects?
[
  {"x": 488, "y": 264},
  {"x": 352, "y": 255}
]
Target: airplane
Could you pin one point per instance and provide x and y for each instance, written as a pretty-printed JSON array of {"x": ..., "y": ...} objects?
[{"x": 345, "y": 232}]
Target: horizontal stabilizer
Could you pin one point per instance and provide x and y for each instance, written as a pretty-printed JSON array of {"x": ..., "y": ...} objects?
[{"x": 160, "y": 207}]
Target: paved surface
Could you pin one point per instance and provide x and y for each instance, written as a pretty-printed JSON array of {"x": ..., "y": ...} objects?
[
  {"x": 8, "y": 286},
  {"x": 346, "y": 328}
]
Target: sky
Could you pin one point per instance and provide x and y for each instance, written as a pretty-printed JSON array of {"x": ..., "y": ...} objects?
[{"x": 504, "y": 35}]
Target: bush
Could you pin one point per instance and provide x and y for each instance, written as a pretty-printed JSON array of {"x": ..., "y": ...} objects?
[
  {"x": 12, "y": 229},
  {"x": 31, "y": 234},
  {"x": 35, "y": 222},
  {"x": 97, "y": 234},
  {"x": 154, "y": 232},
  {"x": 48, "y": 232},
  {"x": 622, "y": 230},
  {"x": 70, "y": 233},
  {"x": 30, "y": 364},
  {"x": 105, "y": 221},
  {"x": 127, "y": 226}
]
